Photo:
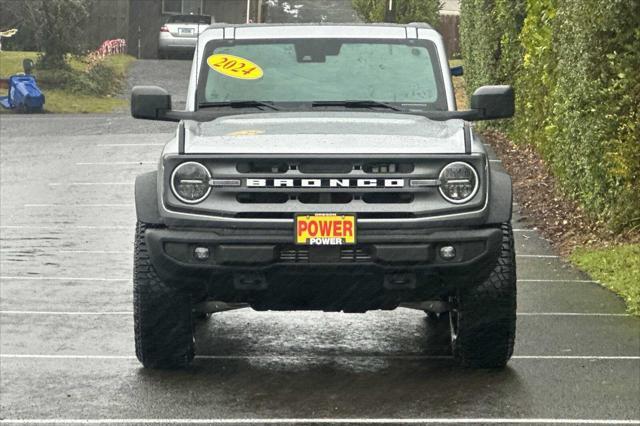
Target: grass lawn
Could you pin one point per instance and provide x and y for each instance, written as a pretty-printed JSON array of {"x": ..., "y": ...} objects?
[
  {"x": 617, "y": 268},
  {"x": 61, "y": 101}
]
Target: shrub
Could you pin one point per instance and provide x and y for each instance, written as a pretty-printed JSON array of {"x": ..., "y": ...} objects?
[
  {"x": 596, "y": 102},
  {"x": 99, "y": 79},
  {"x": 536, "y": 78},
  {"x": 574, "y": 64},
  {"x": 489, "y": 31},
  {"x": 407, "y": 11}
]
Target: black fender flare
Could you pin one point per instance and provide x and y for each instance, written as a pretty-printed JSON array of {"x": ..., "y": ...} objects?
[
  {"x": 146, "y": 196},
  {"x": 500, "y": 198}
]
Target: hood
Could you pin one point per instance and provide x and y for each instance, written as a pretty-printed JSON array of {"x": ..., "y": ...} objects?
[{"x": 325, "y": 133}]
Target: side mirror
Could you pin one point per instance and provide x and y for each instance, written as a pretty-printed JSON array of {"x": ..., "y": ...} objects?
[
  {"x": 493, "y": 102},
  {"x": 150, "y": 103}
]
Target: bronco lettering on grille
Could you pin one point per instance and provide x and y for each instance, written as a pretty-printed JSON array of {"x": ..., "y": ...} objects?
[{"x": 325, "y": 183}]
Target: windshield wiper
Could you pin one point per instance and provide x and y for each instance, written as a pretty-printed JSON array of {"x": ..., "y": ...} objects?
[
  {"x": 356, "y": 104},
  {"x": 239, "y": 104}
]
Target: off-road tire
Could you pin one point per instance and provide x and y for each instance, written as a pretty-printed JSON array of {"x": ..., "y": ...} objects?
[
  {"x": 162, "y": 314},
  {"x": 483, "y": 316}
]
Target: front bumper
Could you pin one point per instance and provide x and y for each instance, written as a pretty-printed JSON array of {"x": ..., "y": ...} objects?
[
  {"x": 380, "y": 251},
  {"x": 267, "y": 271},
  {"x": 169, "y": 43}
]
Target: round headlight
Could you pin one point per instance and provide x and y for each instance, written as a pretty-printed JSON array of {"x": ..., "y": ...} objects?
[
  {"x": 190, "y": 182},
  {"x": 458, "y": 182}
]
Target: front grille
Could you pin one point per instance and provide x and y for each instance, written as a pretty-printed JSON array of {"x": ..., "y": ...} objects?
[
  {"x": 388, "y": 198},
  {"x": 372, "y": 187},
  {"x": 323, "y": 167},
  {"x": 388, "y": 167},
  {"x": 262, "y": 167},
  {"x": 262, "y": 198},
  {"x": 355, "y": 255},
  {"x": 324, "y": 198},
  {"x": 301, "y": 254},
  {"x": 295, "y": 255}
]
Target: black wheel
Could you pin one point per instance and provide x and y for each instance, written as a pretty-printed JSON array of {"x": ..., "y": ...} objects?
[
  {"x": 483, "y": 316},
  {"x": 162, "y": 314}
]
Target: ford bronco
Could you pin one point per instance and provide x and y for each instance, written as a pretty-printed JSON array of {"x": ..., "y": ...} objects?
[{"x": 324, "y": 167}]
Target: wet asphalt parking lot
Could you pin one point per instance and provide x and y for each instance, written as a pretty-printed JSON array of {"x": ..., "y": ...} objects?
[{"x": 66, "y": 332}]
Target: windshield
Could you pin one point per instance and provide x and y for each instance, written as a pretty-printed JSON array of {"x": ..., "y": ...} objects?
[{"x": 399, "y": 72}]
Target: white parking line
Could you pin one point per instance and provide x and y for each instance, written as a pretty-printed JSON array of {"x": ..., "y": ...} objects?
[
  {"x": 39, "y": 278},
  {"x": 55, "y": 251},
  {"x": 325, "y": 420},
  {"x": 267, "y": 357},
  {"x": 97, "y": 251},
  {"x": 574, "y": 357},
  {"x": 556, "y": 281},
  {"x": 78, "y": 205},
  {"x": 39, "y": 356},
  {"x": 524, "y": 230},
  {"x": 116, "y": 163},
  {"x": 541, "y": 256},
  {"x": 62, "y": 227},
  {"x": 570, "y": 314},
  {"x": 131, "y": 144},
  {"x": 90, "y": 183},
  {"x": 524, "y": 314},
  {"x": 65, "y": 313}
]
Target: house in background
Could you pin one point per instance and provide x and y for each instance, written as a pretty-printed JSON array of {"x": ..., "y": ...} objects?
[
  {"x": 145, "y": 17},
  {"x": 449, "y": 26},
  {"x": 450, "y": 7},
  {"x": 139, "y": 21}
]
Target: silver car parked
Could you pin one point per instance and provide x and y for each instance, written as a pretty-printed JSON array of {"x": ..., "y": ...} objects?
[{"x": 180, "y": 33}]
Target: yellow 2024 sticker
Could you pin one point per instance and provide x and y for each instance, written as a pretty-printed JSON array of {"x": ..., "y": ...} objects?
[{"x": 234, "y": 66}]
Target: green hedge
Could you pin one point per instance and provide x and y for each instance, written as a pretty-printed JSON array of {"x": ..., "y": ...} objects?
[
  {"x": 407, "y": 11},
  {"x": 489, "y": 32},
  {"x": 575, "y": 65}
]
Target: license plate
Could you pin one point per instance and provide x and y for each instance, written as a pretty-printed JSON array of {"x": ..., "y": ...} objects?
[
  {"x": 325, "y": 229},
  {"x": 185, "y": 30}
]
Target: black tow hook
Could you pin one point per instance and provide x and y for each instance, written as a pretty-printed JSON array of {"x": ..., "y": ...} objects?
[
  {"x": 249, "y": 281},
  {"x": 400, "y": 281}
]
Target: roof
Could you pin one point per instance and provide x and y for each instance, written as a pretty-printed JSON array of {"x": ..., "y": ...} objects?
[{"x": 320, "y": 24}]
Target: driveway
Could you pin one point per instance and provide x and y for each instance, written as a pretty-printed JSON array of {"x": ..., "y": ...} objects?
[
  {"x": 66, "y": 349},
  {"x": 172, "y": 75}
]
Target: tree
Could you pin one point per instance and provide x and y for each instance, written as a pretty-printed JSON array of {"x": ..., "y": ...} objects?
[
  {"x": 57, "y": 27},
  {"x": 406, "y": 10}
]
